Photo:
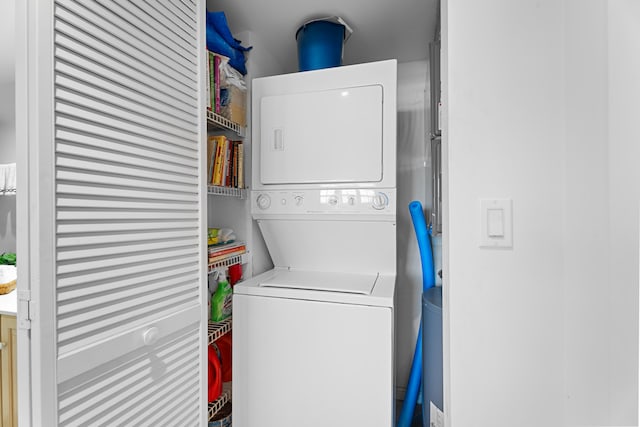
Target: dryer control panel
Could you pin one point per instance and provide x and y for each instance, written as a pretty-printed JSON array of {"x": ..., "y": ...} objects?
[{"x": 325, "y": 201}]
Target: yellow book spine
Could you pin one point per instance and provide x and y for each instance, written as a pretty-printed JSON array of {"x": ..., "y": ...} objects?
[{"x": 217, "y": 168}]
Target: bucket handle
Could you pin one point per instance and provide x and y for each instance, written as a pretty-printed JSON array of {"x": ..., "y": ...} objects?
[{"x": 347, "y": 29}]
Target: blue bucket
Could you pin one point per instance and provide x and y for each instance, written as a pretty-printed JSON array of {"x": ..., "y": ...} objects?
[{"x": 321, "y": 44}]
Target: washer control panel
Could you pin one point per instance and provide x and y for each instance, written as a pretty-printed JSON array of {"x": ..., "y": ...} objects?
[{"x": 371, "y": 201}]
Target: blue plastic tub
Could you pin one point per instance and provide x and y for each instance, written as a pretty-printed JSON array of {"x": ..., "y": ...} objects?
[
  {"x": 320, "y": 45},
  {"x": 431, "y": 351}
]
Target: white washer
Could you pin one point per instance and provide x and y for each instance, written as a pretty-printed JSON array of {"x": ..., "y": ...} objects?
[{"x": 313, "y": 338}]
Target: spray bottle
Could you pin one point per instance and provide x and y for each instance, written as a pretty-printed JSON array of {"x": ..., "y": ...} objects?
[{"x": 221, "y": 299}]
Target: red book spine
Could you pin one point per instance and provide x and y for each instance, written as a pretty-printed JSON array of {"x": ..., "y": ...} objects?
[
  {"x": 215, "y": 258},
  {"x": 227, "y": 181}
]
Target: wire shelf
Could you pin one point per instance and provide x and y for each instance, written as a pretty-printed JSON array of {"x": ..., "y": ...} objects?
[
  {"x": 227, "y": 191},
  {"x": 218, "y": 329},
  {"x": 216, "y": 406},
  {"x": 217, "y": 121},
  {"x": 227, "y": 262}
]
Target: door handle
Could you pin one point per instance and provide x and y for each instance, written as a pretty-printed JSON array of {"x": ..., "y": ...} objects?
[
  {"x": 278, "y": 144},
  {"x": 2, "y": 345},
  {"x": 150, "y": 336}
]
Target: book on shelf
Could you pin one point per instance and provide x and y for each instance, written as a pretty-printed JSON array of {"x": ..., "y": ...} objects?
[
  {"x": 213, "y": 81},
  {"x": 238, "y": 248},
  {"x": 211, "y": 150},
  {"x": 225, "y": 163},
  {"x": 229, "y": 164},
  {"x": 224, "y": 98},
  {"x": 240, "y": 165},
  {"x": 221, "y": 254},
  {"x": 217, "y": 161},
  {"x": 216, "y": 77},
  {"x": 209, "y": 80},
  {"x": 231, "y": 253},
  {"x": 213, "y": 249},
  {"x": 234, "y": 178}
]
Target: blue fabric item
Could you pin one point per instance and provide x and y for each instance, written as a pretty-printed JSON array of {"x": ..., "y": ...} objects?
[
  {"x": 220, "y": 40},
  {"x": 218, "y": 20}
]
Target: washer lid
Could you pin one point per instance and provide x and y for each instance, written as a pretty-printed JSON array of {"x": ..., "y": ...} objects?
[{"x": 322, "y": 281}]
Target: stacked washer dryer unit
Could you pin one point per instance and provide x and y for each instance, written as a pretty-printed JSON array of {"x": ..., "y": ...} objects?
[{"x": 314, "y": 337}]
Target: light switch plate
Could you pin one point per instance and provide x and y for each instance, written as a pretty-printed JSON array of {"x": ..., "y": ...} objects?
[
  {"x": 496, "y": 228},
  {"x": 495, "y": 222}
]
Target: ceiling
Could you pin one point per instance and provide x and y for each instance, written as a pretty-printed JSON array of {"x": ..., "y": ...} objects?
[{"x": 382, "y": 29}]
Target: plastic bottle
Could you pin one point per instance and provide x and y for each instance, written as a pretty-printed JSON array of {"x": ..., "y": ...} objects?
[{"x": 221, "y": 299}]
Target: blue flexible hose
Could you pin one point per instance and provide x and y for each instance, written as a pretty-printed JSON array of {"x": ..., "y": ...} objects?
[
  {"x": 423, "y": 234},
  {"x": 428, "y": 281}
]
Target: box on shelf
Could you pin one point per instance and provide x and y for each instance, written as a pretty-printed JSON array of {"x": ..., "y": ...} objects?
[{"x": 233, "y": 101}]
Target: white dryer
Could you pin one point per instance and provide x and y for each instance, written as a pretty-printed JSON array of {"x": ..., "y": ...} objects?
[{"x": 314, "y": 337}]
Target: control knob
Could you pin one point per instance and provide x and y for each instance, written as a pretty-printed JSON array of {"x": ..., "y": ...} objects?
[
  {"x": 263, "y": 201},
  {"x": 298, "y": 200},
  {"x": 380, "y": 201}
]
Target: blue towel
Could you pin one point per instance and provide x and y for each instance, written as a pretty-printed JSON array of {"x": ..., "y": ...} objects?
[{"x": 220, "y": 40}]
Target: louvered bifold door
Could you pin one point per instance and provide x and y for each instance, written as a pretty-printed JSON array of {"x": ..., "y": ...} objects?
[{"x": 129, "y": 274}]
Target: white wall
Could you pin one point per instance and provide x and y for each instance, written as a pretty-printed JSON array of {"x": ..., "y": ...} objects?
[
  {"x": 587, "y": 367},
  {"x": 624, "y": 195},
  {"x": 414, "y": 183},
  {"x": 543, "y": 102},
  {"x": 601, "y": 212},
  {"x": 504, "y": 136}
]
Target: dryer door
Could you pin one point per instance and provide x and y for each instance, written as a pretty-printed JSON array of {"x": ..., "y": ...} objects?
[{"x": 329, "y": 136}]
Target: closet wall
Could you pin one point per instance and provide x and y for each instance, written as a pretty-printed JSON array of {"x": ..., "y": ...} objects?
[
  {"x": 414, "y": 183},
  {"x": 547, "y": 117}
]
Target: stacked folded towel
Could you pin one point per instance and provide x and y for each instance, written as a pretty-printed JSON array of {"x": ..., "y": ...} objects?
[{"x": 8, "y": 179}]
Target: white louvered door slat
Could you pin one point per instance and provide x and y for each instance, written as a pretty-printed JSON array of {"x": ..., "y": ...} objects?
[
  {"x": 156, "y": 278},
  {"x": 141, "y": 265},
  {"x": 115, "y": 157},
  {"x": 114, "y": 139},
  {"x": 179, "y": 13},
  {"x": 107, "y": 97},
  {"x": 119, "y": 119},
  {"x": 145, "y": 28},
  {"x": 127, "y": 39},
  {"x": 127, "y": 230}
]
